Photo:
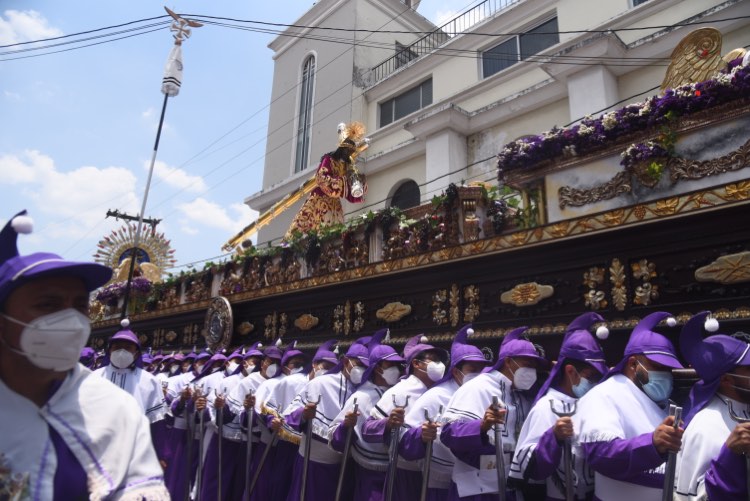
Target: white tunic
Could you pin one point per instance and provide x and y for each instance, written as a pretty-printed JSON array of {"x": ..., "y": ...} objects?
[
  {"x": 103, "y": 427},
  {"x": 144, "y": 387},
  {"x": 701, "y": 443}
]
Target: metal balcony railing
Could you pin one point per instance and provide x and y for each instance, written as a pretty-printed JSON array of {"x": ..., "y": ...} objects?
[{"x": 431, "y": 41}]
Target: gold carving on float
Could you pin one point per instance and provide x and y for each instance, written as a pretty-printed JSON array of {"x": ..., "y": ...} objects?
[
  {"x": 729, "y": 269},
  {"x": 667, "y": 207},
  {"x": 697, "y": 58},
  {"x": 619, "y": 290},
  {"x": 527, "y": 294},
  {"x": 738, "y": 191},
  {"x": 306, "y": 322},
  {"x": 593, "y": 278},
  {"x": 271, "y": 322},
  {"x": 359, "y": 316},
  {"x": 573, "y": 197},
  {"x": 439, "y": 315},
  {"x": 682, "y": 168},
  {"x": 646, "y": 292},
  {"x": 471, "y": 295},
  {"x": 245, "y": 328},
  {"x": 454, "y": 299},
  {"x": 393, "y": 312}
]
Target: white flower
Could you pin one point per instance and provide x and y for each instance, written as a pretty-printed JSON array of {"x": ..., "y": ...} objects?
[
  {"x": 609, "y": 121},
  {"x": 585, "y": 130}
]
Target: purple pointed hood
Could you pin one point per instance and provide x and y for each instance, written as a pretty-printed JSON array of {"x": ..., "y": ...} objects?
[
  {"x": 578, "y": 344},
  {"x": 654, "y": 346},
  {"x": 254, "y": 351},
  {"x": 325, "y": 353},
  {"x": 358, "y": 350},
  {"x": 87, "y": 357},
  {"x": 514, "y": 346},
  {"x": 711, "y": 358},
  {"x": 217, "y": 359},
  {"x": 17, "y": 270},
  {"x": 291, "y": 351},
  {"x": 419, "y": 344},
  {"x": 379, "y": 352}
]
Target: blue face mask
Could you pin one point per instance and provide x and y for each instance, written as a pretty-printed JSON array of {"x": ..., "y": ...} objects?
[
  {"x": 659, "y": 386},
  {"x": 583, "y": 386}
]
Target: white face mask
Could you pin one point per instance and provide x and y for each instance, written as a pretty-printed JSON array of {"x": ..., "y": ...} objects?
[
  {"x": 231, "y": 367},
  {"x": 122, "y": 358},
  {"x": 319, "y": 372},
  {"x": 356, "y": 373},
  {"x": 54, "y": 341},
  {"x": 249, "y": 368},
  {"x": 296, "y": 370},
  {"x": 174, "y": 369},
  {"x": 468, "y": 376},
  {"x": 271, "y": 370},
  {"x": 391, "y": 375},
  {"x": 435, "y": 370},
  {"x": 524, "y": 378}
]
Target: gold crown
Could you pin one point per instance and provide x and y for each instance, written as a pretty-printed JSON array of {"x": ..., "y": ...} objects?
[{"x": 352, "y": 136}]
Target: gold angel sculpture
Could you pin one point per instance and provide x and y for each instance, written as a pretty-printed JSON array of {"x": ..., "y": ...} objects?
[
  {"x": 697, "y": 58},
  {"x": 148, "y": 270}
]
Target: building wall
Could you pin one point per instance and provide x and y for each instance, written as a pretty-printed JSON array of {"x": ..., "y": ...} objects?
[{"x": 471, "y": 117}]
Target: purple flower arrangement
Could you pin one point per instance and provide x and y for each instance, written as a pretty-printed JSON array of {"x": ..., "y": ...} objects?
[
  {"x": 114, "y": 291},
  {"x": 592, "y": 133}
]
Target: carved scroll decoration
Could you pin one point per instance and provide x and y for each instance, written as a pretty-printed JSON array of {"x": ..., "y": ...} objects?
[
  {"x": 439, "y": 314},
  {"x": 454, "y": 299},
  {"x": 393, "y": 312},
  {"x": 271, "y": 323},
  {"x": 574, "y": 197},
  {"x": 306, "y": 322},
  {"x": 527, "y": 294},
  {"x": 594, "y": 298},
  {"x": 359, "y": 316},
  {"x": 682, "y": 168},
  {"x": 645, "y": 293}
]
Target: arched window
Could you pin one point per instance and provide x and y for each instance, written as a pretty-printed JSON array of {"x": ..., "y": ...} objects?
[
  {"x": 406, "y": 196},
  {"x": 304, "y": 118}
]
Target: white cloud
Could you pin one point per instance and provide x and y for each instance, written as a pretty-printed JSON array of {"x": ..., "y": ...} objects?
[
  {"x": 177, "y": 177},
  {"x": 12, "y": 96},
  {"x": 23, "y": 26},
  {"x": 212, "y": 215},
  {"x": 77, "y": 199}
]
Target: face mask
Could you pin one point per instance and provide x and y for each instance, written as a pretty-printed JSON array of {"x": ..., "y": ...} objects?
[
  {"x": 174, "y": 369},
  {"x": 356, "y": 373},
  {"x": 435, "y": 371},
  {"x": 319, "y": 372},
  {"x": 121, "y": 359},
  {"x": 391, "y": 375},
  {"x": 232, "y": 366},
  {"x": 583, "y": 386},
  {"x": 296, "y": 370},
  {"x": 468, "y": 376},
  {"x": 271, "y": 370},
  {"x": 524, "y": 377},
  {"x": 249, "y": 368},
  {"x": 54, "y": 341},
  {"x": 659, "y": 386}
]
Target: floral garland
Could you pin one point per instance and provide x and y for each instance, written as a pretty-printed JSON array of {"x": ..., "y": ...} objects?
[
  {"x": 592, "y": 134},
  {"x": 114, "y": 291}
]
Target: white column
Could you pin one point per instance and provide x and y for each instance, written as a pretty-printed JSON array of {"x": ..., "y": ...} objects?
[
  {"x": 591, "y": 90},
  {"x": 446, "y": 151}
]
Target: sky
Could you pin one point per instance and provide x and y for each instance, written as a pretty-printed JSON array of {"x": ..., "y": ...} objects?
[{"x": 77, "y": 127}]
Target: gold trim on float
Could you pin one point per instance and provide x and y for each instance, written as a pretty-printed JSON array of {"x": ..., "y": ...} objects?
[{"x": 729, "y": 269}]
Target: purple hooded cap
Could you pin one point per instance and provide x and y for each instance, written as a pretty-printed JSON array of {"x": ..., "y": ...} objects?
[
  {"x": 379, "y": 352},
  {"x": 711, "y": 358},
  {"x": 147, "y": 359},
  {"x": 462, "y": 351},
  {"x": 179, "y": 357},
  {"x": 190, "y": 356},
  {"x": 415, "y": 346},
  {"x": 213, "y": 361},
  {"x": 358, "y": 350},
  {"x": 125, "y": 334},
  {"x": 254, "y": 351},
  {"x": 578, "y": 344},
  {"x": 644, "y": 341},
  {"x": 325, "y": 353},
  {"x": 87, "y": 357},
  {"x": 273, "y": 352},
  {"x": 291, "y": 351},
  {"x": 514, "y": 346},
  {"x": 16, "y": 270}
]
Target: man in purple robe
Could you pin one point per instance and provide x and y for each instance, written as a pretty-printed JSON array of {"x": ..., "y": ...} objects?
[
  {"x": 425, "y": 367},
  {"x": 467, "y": 362},
  {"x": 624, "y": 431},
  {"x": 66, "y": 434},
  {"x": 539, "y": 452},
  {"x": 471, "y": 417},
  {"x": 712, "y": 461}
]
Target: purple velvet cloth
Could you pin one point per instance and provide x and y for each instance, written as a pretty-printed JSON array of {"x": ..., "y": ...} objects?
[
  {"x": 374, "y": 431},
  {"x": 628, "y": 460},
  {"x": 232, "y": 470},
  {"x": 411, "y": 446},
  {"x": 70, "y": 478},
  {"x": 726, "y": 478},
  {"x": 322, "y": 480},
  {"x": 466, "y": 441},
  {"x": 368, "y": 484}
]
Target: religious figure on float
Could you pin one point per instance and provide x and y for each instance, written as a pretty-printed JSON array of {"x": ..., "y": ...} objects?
[{"x": 336, "y": 178}]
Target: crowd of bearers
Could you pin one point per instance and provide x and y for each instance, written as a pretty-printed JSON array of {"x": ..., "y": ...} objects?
[{"x": 274, "y": 423}]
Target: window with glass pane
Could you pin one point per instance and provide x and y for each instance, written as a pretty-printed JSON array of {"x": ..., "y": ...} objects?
[
  {"x": 304, "y": 119},
  {"x": 408, "y": 102},
  {"x": 536, "y": 40},
  {"x": 406, "y": 195},
  {"x": 500, "y": 57}
]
